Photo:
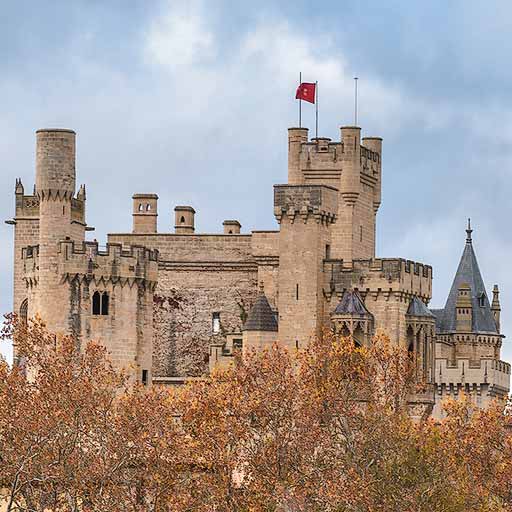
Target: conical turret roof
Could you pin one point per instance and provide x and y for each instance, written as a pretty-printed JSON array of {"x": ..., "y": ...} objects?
[
  {"x": 261, "y": 317},
  {"x": 351, "y": 304},
  {"x": 468, "y": 273},
  {"x": 418, "y": 308}
]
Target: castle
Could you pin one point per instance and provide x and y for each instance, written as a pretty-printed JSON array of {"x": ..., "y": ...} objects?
[{"x": 172, "y": 306}]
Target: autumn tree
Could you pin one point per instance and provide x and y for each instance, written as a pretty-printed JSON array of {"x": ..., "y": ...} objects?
[
  {"x": 324, "y": 429},
  {"x": 74, "y": 434}
]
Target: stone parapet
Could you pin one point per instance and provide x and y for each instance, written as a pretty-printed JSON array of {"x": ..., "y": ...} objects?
[
  {"x": 320, "y": 201},
  {"x": 27, "y": 206},
  {"x": 115, "y": 263},
  {"x": 491, "y": 372},
  {"x": 379, "y": 276}
]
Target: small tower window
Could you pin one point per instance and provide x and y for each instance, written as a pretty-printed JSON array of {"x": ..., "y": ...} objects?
[
  {"x": 182, "y": 220},
  {"x": 327, "y": 252},
  {"x": 148, "y": 207},
  {"x": 104, "y": 303},
  {"x": 144, "y": 377},
  {"x": 297, "y": 291},
  {"x": 141, "y": 207},
  {"x": 24, "y": 312},
  {"x": 360, "y": 233},
  {"x": 216, "y": 323},
  {"x": 100, "y": 303},
  {"x": 96, "y": 303}
]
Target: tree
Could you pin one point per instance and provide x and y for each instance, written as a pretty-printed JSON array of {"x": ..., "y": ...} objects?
[
  {"x": 74, "y": 434},
  {"x": 324, "y": 429}
]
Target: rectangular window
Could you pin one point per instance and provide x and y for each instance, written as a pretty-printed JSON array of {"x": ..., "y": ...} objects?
[
  {"x": 216, "y": 323},
  {"x": 360, "y": 233},
  {"x": 327, "y": 252},
  {"x": 145, "y": 377},
  {"x": 237, "y": 344},
  {"x": 297, "y": 291}
]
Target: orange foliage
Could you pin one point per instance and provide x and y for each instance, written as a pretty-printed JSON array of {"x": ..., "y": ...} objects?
[{"x": 326, "y": 429}]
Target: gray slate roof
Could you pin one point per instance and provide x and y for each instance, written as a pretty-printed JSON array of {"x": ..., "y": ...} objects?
[
  {"x": 438, "y": 314},
  {"x": 418, "y": 308},
  {"x": 261, "y": 317},
  {"x": 351, "y": 304},
  {"x": 468, "y": 273}
]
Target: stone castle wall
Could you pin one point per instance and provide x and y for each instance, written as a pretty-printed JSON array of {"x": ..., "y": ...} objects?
[{"x": 199, "y": 275}]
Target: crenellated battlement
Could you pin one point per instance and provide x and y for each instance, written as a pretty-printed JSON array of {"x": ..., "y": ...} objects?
[
  {"x": 321, "y": 201},
  {"x": 28, "y": 207},
  {"x": 379, "y": 275},
  {"x": 112, "y": 250},
  {"x": 322, "y": 153},
  {"x": 488, "y": 371},
  {"x": 115, "y": 263}
]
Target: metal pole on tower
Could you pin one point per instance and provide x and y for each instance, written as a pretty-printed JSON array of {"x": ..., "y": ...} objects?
[
  {"x": 355, "y": 100},
  {"x": 316, "y": 105},
  {"x": 300, "y": 102}
]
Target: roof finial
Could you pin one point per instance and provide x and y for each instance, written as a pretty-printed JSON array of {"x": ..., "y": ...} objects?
[{"x": 469, "y": 231}]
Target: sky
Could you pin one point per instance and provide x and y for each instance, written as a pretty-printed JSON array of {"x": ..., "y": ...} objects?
[{"x": 192, "y": 100}]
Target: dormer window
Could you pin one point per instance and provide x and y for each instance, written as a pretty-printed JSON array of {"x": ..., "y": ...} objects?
[{"x": 481, "y": 300}]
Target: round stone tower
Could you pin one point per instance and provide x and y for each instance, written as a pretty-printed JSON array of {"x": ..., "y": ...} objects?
[{"x": 55, "y": 188}]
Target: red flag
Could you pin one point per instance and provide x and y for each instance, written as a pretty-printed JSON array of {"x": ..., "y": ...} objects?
[{"x": 306, "y": 92}]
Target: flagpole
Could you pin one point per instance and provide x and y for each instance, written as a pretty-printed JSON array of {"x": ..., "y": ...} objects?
[
  {"x": 300, "y": 102},
  {"x": 316, "y": 105},
  {"x": 355, "y": 100}
]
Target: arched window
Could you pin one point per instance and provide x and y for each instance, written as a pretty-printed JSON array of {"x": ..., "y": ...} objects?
[
  {"x": 100, "y": 303},
  {"x": 141, "y": 207},
  {"x": 96, "y": 303},
  {"x": 104, "y": 303},
  {"x": 148, "y": 207},
  {"x": 182, "y": 220},
  {"x": 24, "y": 312}
]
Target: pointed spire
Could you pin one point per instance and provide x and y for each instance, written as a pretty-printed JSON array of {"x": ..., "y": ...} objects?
[
  {"x": 261, "y": 317},
  {"x": 496, "y": 297},
  {"x": 19, "y": 187},
  {"x": 468, "y": 232},
  {"x": 81, "y": 193},
  {"x": 496, "y": 306},
  {"x": 468, "y": 274}
]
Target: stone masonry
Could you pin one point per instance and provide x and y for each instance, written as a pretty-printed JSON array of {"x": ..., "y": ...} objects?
[{"x": 172, "y": 306}]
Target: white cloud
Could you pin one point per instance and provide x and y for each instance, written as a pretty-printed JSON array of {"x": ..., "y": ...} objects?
[
  {"x": 180, "y": 37},
  {"x": 260, "y": 71}
]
